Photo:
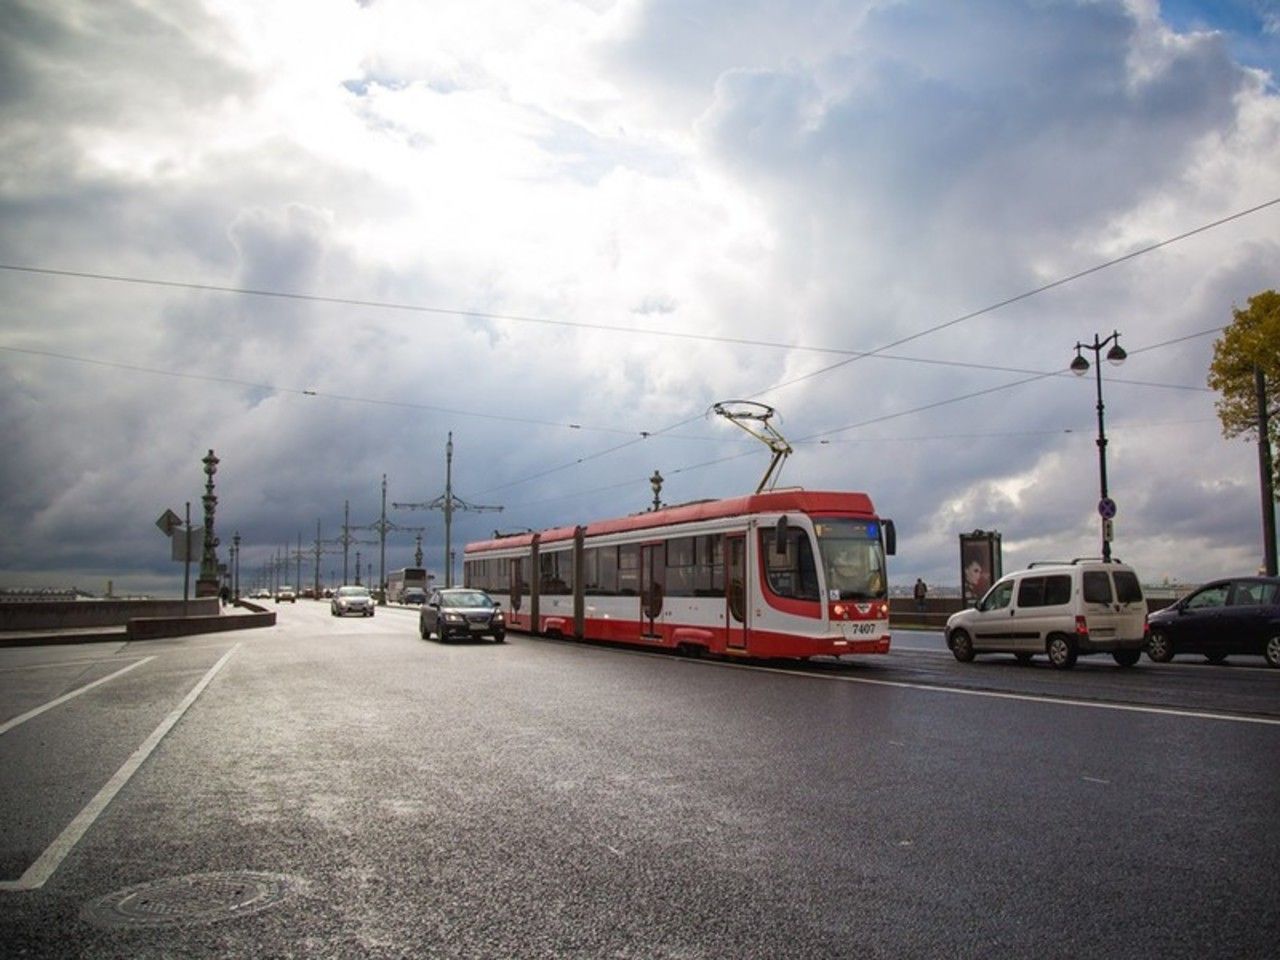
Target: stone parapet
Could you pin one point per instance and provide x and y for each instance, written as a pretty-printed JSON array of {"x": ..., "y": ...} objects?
[{"x": 51, "y": 615}]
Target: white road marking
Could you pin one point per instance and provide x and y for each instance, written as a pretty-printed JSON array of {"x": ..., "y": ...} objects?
[
  {"x": 9, "y": 725},
  {"x": 997, "y": 695},
  {"x": 39, "y": 872}
]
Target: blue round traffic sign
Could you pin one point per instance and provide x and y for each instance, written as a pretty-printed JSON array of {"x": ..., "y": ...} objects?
[{"x": 1106, "y": 508}]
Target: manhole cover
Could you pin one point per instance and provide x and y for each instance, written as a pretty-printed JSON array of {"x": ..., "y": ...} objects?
[{"x": 197, "y": 898}]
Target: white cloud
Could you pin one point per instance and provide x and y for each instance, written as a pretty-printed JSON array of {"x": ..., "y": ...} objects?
[{"x": 816, "y": 174}]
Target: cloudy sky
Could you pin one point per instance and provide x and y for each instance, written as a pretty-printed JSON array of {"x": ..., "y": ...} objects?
[{"x": 317, "y": 236}]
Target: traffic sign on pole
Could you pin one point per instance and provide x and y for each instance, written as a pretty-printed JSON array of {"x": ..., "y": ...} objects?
[{"x": 168, "y": 522}]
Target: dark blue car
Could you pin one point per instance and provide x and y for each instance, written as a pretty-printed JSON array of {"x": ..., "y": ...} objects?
[{"x": 1240, "y": 616}]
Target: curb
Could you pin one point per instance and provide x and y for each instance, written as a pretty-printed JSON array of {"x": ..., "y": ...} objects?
[{"x": 144, "y": 628}]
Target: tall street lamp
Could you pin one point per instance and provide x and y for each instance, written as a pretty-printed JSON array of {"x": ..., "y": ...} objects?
[
  {"x": 1080, "y": 366},
  {"x": 656, "y": 483}
]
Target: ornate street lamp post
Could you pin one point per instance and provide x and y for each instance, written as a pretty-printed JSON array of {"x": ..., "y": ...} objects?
[
  {"x": 235, "y": 564},
  {"x": 1080, "y": 366},
  {"x": 656, "y": 483},
  {"x": 207, "y": 582}
]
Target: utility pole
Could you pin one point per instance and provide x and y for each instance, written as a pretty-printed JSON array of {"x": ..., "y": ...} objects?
[
  {"x": 382, "y": 525},
  {"x": 448, "y": 503},
  {"x": 298, "y": 555},
  {"x": 317, "y": 551},
  {"x": 347, "y": 539},
  {"x": 1265, "y": 467}
]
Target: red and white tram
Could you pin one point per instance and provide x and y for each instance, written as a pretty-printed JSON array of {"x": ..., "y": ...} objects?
[{"x": 790, "y": 573}]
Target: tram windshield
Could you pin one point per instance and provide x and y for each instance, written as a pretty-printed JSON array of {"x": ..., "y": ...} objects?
[{"x": 852, "y": 558}]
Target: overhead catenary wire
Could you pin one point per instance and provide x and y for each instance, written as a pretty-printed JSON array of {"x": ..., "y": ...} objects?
[
  {"x": 1008, "y": 301},
  {"x": 823, "y": 436},
  {"x": 851, "y": 356}
]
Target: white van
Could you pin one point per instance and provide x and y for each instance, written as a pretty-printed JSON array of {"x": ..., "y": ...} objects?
[{"x": 1060, "y": 609}]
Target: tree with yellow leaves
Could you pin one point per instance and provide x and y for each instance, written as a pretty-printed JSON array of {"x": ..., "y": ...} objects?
[{"x": 1246, "y": 372}]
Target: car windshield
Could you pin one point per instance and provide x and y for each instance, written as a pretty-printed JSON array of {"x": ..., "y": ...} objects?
[
  {"x": 353, "y": 591},
  {"x": 852, "y": 558},
  {"x": 466, "y": 598}
]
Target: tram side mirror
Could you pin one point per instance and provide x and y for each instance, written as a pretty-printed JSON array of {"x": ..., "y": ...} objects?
[
  {"x": 780, "y": 536},
  {"x": 890, "y": 537}
]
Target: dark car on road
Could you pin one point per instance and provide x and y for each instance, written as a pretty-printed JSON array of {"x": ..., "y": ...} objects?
[
  {"x": 1240, "y": 615},
  {"x": 457, "y": 613}
]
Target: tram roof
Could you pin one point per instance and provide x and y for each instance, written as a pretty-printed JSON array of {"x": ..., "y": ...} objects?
[{"x": 803, "y": 501}]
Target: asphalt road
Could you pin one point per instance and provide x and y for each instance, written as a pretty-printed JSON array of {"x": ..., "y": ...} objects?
[{"x": 342, "y": 788}]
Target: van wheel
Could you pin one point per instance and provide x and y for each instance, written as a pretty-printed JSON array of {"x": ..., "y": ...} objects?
[
  {"x": 1159, "y": 647},
  {"x": 1272, "y": 653},
  {"x": 962, "y": 646},
  {"x": 1127, "y": 658},
  {"x": 1062, "y": 652}
]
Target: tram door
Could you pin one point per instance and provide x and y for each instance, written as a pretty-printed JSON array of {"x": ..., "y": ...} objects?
[
  {"x": 735, "y": 546},
  {"x": 653, "y": 574},
  {"x": 516, "y": 573}
]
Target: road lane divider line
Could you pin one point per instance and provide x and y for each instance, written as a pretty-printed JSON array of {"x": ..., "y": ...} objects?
[
  {"x": 30, "y": 714},
  {"x": 1001, "y": 695},
  {"x": 39, "y": 872}
]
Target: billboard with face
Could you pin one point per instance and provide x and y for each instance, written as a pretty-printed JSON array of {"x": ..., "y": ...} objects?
[{"x": 980, "y": 564}]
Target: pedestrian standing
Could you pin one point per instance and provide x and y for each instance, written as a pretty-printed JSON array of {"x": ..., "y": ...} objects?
[{"x": 922, "y": 590}]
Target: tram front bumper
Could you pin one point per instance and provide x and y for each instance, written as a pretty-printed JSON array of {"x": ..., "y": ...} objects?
[{"x": 861, "y": 637}]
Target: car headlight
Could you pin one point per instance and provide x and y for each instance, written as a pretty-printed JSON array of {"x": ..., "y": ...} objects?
[
  {"x": 453, "y": 618},
  {"x": 497, "y": 615}
]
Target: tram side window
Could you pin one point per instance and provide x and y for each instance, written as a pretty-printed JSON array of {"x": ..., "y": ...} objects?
[
  {"x": 629, "y": 570},
  {"x": 557, "y": 571},
  {"x": 681, "y": 570},
  {"x": 591, "y": 571},
  {"x": 492, "y": 575},
  {"x": 608, "y": 571},
  {"x": 791, "y": 573},
  {"x": 481, "y": 574},
  {"x": 709, "y": 572}
]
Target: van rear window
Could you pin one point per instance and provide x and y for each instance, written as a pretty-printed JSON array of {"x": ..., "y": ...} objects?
[
  {"x": 1097, "y": 586},
  {"x": 1128, "y": 589}
]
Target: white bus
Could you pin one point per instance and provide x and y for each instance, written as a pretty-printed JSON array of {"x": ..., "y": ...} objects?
[{"x": 400, "y": 580}]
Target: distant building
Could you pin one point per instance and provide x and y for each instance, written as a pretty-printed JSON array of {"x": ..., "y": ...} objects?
[{"x": 37, "y": 594}]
